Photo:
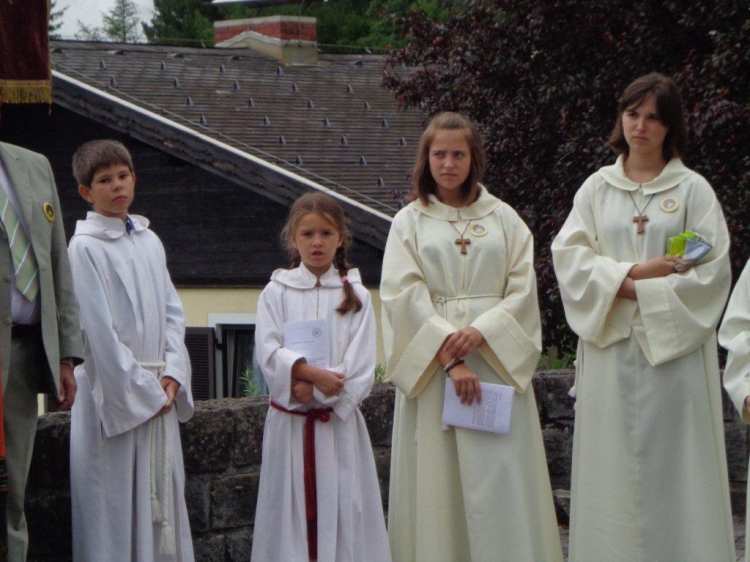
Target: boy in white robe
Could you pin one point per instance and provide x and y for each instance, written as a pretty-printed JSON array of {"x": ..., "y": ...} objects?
[{"x": 127, "y": 475}]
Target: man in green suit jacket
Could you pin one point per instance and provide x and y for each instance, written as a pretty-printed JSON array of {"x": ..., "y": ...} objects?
[{"x": 40, "y": 339}]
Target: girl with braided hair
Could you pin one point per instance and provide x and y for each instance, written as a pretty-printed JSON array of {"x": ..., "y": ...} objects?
[{"x": 319, "y": 497}]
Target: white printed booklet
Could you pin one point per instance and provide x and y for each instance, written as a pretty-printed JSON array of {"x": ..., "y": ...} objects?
[{"x": 493, "y": 414}]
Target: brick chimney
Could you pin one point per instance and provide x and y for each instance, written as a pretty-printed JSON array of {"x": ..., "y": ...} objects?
[{"x": 290, "y": 39}]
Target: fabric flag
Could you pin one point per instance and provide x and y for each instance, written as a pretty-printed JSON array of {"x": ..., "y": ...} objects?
[{"x": 25, "y": 75}]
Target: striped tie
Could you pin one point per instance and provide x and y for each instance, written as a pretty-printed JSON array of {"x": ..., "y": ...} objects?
[{"x": 24, "y": 261}]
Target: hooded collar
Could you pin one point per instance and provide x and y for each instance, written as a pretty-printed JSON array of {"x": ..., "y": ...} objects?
[
  {"x": 99, "y": 226},
  {"x": 301, "y": 278},
  {"x": 483, "y": 206},
  {"x": 673, "y": 173}
]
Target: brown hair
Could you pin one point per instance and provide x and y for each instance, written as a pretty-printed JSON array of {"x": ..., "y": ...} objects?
[
  {"x": 325, "y": 206},
  {"x": 668, "y": 106},
  {"x": 423, "y": 184},
  {"x": 97, "y": 154}
]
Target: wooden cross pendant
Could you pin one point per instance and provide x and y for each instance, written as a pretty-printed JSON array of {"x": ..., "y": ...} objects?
[
  {"x": 640, "y": 220},
  {"x": 464, "y": 242}
]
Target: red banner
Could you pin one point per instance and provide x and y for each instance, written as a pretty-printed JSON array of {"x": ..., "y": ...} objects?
[{"x": 25, "y": 75}]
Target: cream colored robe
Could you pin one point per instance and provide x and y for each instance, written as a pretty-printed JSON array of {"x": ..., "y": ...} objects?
[
  {"x": 649, "y": 477},
  {"x": 463, "y": 495},
  {"x": 734, "y": 335}
]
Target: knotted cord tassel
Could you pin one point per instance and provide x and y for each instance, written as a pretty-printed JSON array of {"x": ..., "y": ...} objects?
[{"x": 167, "y": 547}]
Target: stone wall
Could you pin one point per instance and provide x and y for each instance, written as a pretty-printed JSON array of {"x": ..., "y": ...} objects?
[{"x": 222, "y": 449}]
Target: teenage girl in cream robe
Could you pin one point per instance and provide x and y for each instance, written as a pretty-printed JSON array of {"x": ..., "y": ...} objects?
[{"x": 649, "y": 481}]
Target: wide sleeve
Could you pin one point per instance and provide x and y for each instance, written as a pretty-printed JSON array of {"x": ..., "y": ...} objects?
[
  {"x": 358, "y": 364},
  {"x": 512, "y": 329},
  {"x": 589, "y": 281},
  {"x": 413, "y": 332},
  {"x": 125, "y": 394},
  {"x": 176, "y": 354},
  {"x": 734, "y": 335},
  {"x": 680, "y": 312},
  {"x": 274, "y": 359}
]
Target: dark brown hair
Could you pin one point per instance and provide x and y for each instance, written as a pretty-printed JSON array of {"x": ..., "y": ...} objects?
[
  {"x": 97, "y": 154},
  {"x": 423, "y": 184},
  {"x": 668, "y": 106},
  {"x": 325, "y": 206}
]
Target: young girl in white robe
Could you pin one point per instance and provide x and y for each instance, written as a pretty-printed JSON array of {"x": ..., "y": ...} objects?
[
  {"x": 649, "y": 480},
  {"x": 319, "y": 496},
  {"x": 126, "y": 468},
  {"x": 734, "y": 335},
  {"x": 460, "y": 302}
]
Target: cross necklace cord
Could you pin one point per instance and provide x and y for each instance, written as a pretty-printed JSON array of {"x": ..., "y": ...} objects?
[
  {"x": 463, "y": 242},
  {"x": 640, "y": 218}
]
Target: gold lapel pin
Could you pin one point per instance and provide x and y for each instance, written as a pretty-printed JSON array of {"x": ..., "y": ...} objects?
[
  {"x": 49, "y": 212},
  {"x": 669, "y": 205},
  {"x": 478, "y": 230}
]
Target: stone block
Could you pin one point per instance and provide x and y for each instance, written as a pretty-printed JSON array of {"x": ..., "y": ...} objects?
[
  {"x": 239, "y": 545},
  {"x": 377, "y": 409},
  {"x": 738, "y": 495},
  {"x": 562, "y": 506},
  {"x": 538, "y": 383},
  {"x": 207, "y": 438},
  {"x": 735, "y": 436},
  {"x": 248, "y": 416},
  {"x": 50, "y": 464},
  {"x": 557, "y": 404},
  {"x": 383, "y": 468},
  {"x": 210, "y": 548},
  {"x": 198, "y": 502},
  {"x": 233, "y": 501},
  {"x": 558, "y": 444},
  {"x": 50, "y": 529},
  {"x": 730, "y": 412}
]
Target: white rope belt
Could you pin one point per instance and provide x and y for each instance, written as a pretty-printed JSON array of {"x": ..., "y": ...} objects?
[
  {"x": 444, "y": 300},
  {"x": 160, "y": 509}
]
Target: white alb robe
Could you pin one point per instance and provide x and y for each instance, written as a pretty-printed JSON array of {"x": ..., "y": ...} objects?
[
  {"x": 734, "y": 335},
  {"x": 351, "y": 525},
  {"x": 130, "y": 313},
  {"x": 459, "y": 494},
  {"x": 649, "y": 480}
]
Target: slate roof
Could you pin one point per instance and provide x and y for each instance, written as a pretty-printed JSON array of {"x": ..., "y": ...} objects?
[{"x": 329, "y": 125}]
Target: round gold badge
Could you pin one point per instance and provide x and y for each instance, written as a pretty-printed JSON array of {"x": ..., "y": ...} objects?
[
  {"x": 669, "y": 205},
  {"x": 478, "y": 230},
  {"x": 49, "y": 212}
]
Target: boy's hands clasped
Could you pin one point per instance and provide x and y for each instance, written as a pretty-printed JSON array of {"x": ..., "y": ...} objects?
[{"x": 170, "y": 387}]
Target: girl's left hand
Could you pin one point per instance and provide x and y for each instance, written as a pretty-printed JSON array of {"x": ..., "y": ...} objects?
[
  {"x": 170, "y": 387},
  {"x": 466, "y": 383},
  {"x": 302, "y": 391},
  {"x": 462, "y": 342}
]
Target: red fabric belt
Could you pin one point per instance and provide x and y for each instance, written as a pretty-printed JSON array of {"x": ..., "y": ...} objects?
[{"x": 311, "y": 487}]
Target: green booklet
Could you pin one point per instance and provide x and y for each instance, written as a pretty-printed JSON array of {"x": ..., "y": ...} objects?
[{"x": 689, "y": 246}]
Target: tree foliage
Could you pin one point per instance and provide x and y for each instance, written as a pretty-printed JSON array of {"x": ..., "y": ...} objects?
[
  {"x": 55, "y": 20},
  {"x": 542, "y": 79},
  {"x": 121, "y": 24},
  {"x": 357, "y": 23},
  {"x": 182, "y": 22}
]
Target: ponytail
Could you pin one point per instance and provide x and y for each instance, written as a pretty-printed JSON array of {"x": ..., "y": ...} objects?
[{"x": 351, "y": 302}]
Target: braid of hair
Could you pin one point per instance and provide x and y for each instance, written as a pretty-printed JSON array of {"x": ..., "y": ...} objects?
[
  {"x": 351, "y": 302},
  {"x": 296, "y": 259}
]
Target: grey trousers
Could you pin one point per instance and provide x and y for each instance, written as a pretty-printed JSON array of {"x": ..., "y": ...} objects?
[{"x": 20, "y": 409}]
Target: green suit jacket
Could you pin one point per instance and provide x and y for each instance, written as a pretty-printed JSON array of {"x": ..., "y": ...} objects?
[{"x": 35, "y": 189}]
